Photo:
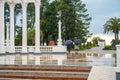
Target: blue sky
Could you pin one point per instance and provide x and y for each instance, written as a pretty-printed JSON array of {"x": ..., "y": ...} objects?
[{"x": 101, "y": 11}]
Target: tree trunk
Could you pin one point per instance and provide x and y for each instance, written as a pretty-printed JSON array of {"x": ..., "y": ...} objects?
[{"x": 115, "y": 36}]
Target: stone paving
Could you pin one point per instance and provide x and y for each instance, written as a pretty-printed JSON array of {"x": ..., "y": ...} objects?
[
  {"x": 103, "y": 73},
  {"x": 96, "y": 50},
  {"x": 99, "y": 72}
]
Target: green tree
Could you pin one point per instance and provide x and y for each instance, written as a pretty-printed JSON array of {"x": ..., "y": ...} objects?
[
  {"x": 95, "y": 40},
  {"x": 75, "y": 19},
  {"x": 113, "y": 25},
  {"x": 68, "y": 18},
  {"x": 31, "y": 36},
  {"x": 114, "y": 42},
  {"x": 7, "y": 14},
  {"x": 49, "y": 21},
  {"x": 30, "y": 16}
]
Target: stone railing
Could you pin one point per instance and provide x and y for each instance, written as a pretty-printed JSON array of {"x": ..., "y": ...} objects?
[
  {"x": 18, "y": 49},
  {"x": 30, "y": 49},
  {"x": 46, "y": 49},
  {"x": 43, "y": 49}
]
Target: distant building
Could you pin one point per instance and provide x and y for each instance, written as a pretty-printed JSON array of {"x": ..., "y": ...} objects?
[{"x": 101, "y": 43}]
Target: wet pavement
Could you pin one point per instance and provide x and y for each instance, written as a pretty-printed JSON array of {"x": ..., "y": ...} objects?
[
  {"x": 91, "y": 57},
  {"x": 96, "y": 50}
]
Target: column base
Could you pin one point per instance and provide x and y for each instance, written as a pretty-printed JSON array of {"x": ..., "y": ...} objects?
[
  {"x": 37, "y": 49},
  {"x": 59, "y": 43},
  {"x": 2, "y": 49},
  {"x": 24, "y": 49},
  {"x": 12, "y": 49}
]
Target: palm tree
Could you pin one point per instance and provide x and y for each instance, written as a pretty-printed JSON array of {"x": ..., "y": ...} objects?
[{"x": 112, "y": 25}]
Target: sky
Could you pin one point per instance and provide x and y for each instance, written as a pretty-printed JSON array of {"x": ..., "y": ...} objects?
[{"x": 101, "y": 11}]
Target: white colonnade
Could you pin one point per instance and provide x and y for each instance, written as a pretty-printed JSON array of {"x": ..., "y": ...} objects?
[
  {"x": 2, "y": 37},
  {"x": 24, "y": 4}
]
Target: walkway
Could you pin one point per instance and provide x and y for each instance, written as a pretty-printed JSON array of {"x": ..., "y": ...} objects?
[
  {"x": 96, "y": 50},
  {"x": 103, "y": 73}
]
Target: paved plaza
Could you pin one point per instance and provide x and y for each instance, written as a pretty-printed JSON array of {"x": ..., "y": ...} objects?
[{"x": 103, "y": 73}]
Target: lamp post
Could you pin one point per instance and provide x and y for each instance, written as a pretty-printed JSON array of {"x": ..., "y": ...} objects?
[{"x": 59, "y": 34}]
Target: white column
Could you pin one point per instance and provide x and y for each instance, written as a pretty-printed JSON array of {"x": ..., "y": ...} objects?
[
  {"x": 2, "y": 37},
  {"x": 59, "y": 34},
  {"x": 24, "y": 28},
  {"x": 7, "y": 48},
  {"x": 37, "y": 26},
  {"x": 12, "y": 40},
  {"x": 7, "y": 36},
  {"x": 118, "y": 55}
]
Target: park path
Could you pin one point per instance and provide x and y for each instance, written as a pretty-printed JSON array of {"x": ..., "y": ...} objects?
[{"x": 96, "y": 50}]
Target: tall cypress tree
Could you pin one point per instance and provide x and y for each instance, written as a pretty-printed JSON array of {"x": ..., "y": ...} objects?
[
  {"x": 49, "y": 21},
  {"x": 75, "y": 19}
]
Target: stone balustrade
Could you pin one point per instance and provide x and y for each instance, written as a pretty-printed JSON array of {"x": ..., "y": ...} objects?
[{"x": 42, "y": 49}]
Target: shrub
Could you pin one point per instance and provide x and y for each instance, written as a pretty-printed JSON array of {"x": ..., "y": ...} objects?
[{"x": 108, "y": 47}]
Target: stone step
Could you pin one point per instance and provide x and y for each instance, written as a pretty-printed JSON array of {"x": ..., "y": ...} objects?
[
  {"x": 68, "y": 69},
  {"x": 31, "y": 73},
  {"x": 47, "y": 73},
  {"x": 42, "y": 77},
  {"x": 21, "y": 79}
]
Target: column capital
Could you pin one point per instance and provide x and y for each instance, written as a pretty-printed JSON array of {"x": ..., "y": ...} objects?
[
  {"x": 24, "y": 4},
  {"x": 37, "y": 2},
  {"x": 2, "y": 2},
  {"x": 11, "y": 4}
]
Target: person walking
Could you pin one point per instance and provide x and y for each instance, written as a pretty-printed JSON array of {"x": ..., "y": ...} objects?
[
  {"x": 76, "y": 44},
  {"x": 69, "y": 44}
]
